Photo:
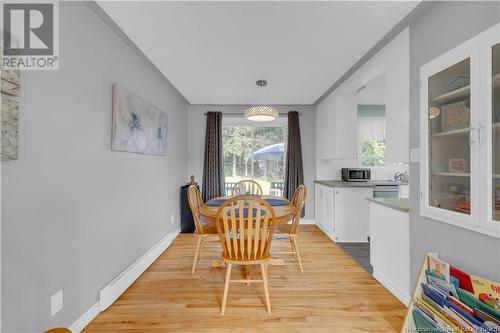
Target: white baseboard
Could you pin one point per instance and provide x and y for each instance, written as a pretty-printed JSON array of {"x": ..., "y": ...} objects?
[
  {"x": 307, "y": 221},
  {"x": 403, "y": 298},
  {"x": 115, "y": 288},
  {"x": 85, "y": 319}
]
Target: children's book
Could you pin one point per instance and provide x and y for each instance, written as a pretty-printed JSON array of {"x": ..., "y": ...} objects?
[
  {"x": 443, "y": 286},
  {"x": 461, "y": 305},
  {"x": 439, "y": 268},
  {"x": 487, "y": 291},
  {"x": 463, "y": 278},
  {"x": 438, "y": 319},
  {"x": 484, "y": 316}
]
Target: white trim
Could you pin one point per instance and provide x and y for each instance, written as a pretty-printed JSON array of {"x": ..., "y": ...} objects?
[
  {"x": 389, "y": 285},
  {"x": 85, "y": 319},
  {"x": 115, "y": 288},
  {"x": 307, "y": 221}
]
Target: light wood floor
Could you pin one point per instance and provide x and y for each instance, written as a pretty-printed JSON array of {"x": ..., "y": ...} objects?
[{"x": 334, "y": 295}]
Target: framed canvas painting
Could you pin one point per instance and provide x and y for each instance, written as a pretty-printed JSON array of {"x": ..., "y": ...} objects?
[
  {"x": 10, "y": 88},
  {"x": 138, "y": 126}
]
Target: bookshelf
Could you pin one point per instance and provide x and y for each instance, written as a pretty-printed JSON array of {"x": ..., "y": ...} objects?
[{"x": 409, "y": 324}]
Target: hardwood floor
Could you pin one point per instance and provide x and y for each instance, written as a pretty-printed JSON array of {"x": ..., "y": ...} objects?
[{"x": 334, "y": 295}]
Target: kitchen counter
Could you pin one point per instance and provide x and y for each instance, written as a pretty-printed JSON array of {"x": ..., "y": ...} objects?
[
  {"x": 370, "y": 183},
  {"x": 401, "y": 204}
]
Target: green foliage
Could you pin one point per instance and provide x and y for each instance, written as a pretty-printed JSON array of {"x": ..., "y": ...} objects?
[
  {"x": 240, "y": 142},
  {"x": 373, "y": 152}
]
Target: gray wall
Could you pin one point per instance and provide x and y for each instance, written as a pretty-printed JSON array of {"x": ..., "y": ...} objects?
[
  {"x": 75, "y": 213},
  {"x": 197, "y": 123},
  {"x": 444, "y": 26}
]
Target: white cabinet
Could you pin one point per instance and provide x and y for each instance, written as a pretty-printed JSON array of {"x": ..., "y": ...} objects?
[
  {"x": 460, "y": 140},
  {"x": 343, "y": 212},
  {"x": 390, "y": 249},
  {"x": 336, "y": 127},
  {"x": 352, "y": 214},
  {"x": 324, "y": 208}
]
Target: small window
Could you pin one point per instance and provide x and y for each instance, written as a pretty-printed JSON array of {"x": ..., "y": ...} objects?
[{"x": 371, "y": 135}]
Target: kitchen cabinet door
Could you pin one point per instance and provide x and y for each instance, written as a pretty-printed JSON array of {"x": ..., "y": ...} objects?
[
  {"x": 352, "y": 214},
  {"x": 324, "y": 208}
]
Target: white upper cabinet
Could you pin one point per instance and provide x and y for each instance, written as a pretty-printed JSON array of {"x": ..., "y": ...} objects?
[
  {"x": 336, "y": 127},
  {"x": 397, "y": 99},
  {"x": 460, "y": 146}
]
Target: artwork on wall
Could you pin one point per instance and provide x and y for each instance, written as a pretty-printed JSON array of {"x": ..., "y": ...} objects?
[
  {"x": 138, "y": 126},
  {"x": 10, "y": 88}
]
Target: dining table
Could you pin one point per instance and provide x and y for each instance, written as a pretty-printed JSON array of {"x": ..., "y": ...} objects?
[{"x": 284, "y": 211}]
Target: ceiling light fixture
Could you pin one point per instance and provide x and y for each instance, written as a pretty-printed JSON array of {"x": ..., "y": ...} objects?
[{"x": 261, "y": 112}]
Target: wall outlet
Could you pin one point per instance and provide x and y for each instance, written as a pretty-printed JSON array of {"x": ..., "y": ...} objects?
[
  {"x": 56, "y": 303},
  {"x": 172, "y": 218}
]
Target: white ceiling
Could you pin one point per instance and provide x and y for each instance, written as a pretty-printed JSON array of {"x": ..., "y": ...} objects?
[{"x": 213, "y": 52}]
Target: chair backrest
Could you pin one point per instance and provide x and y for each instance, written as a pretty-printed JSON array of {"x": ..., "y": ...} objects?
[
  {"x": 245, "y": 226},
  {"x": 195, "y": 202},
  {"x": 298, "y": 200},
  {"x": 247, "y": 186}
]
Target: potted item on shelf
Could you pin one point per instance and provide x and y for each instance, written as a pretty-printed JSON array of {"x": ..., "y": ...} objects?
[
  {"x": 458, "y": 165},
  {"x": 455, "y": 115},
  {"x": 435, "y": 123}
]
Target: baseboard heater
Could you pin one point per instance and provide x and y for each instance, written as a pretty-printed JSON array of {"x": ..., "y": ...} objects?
[{"x": 115, "y": 288}]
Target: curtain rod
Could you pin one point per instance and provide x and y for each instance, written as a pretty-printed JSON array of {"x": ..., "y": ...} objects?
[{"x": 242, "y": 114}]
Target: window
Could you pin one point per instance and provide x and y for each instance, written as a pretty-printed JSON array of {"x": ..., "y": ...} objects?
[
  {"x": 254, "y": 151},
  {"x": 371, "y": 135}
]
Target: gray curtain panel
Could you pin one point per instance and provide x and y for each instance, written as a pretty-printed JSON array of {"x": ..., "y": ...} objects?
[
  {"x": 213, "y": 166},
  {"x": 294, "y": 171}
]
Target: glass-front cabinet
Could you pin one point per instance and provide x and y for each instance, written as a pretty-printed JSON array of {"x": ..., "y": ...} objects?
[
  {"x": 449, "y": 113},
  {"x": 460, "y": 135}
]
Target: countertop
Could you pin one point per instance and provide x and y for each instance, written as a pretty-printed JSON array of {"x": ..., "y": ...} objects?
[
  {"x": 401, "y": 204},
  {"x": 370, "y": 183}
]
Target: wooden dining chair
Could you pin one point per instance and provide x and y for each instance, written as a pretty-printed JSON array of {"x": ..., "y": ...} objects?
[
  {"x": 291, "y": 230},
  {"x": 246, "y": 187},
  {"x": 246, "y": 226},
  {"x": 202, "y": 231}
]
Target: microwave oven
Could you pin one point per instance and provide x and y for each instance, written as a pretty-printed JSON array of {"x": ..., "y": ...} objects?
[{"x": 355, "y": 174}]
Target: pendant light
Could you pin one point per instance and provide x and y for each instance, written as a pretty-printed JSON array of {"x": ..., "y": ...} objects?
[{"x": 261, "y": 112}]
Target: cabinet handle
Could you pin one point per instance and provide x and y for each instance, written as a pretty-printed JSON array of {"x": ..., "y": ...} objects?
[
  {"x": 472, "y": 138},
  {"x": 480, "y": 134}
]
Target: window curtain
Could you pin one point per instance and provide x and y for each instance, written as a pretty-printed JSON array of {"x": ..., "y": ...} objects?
[
  {"x": 294, "y": 172},
  {"x": 213, "y": 165}
]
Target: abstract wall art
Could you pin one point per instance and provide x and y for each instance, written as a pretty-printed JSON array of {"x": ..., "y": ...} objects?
[
  {"x": 138, "y": 126},
  {"x": 10, "y": 88}
]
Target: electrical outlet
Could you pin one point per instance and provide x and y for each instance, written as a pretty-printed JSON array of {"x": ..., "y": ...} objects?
[
  {"x": 172, "y": 218},
  {"x": 56, "y": 303}
]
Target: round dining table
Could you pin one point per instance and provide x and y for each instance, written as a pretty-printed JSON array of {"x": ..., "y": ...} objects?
[{"x": 283, "y": 209}]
